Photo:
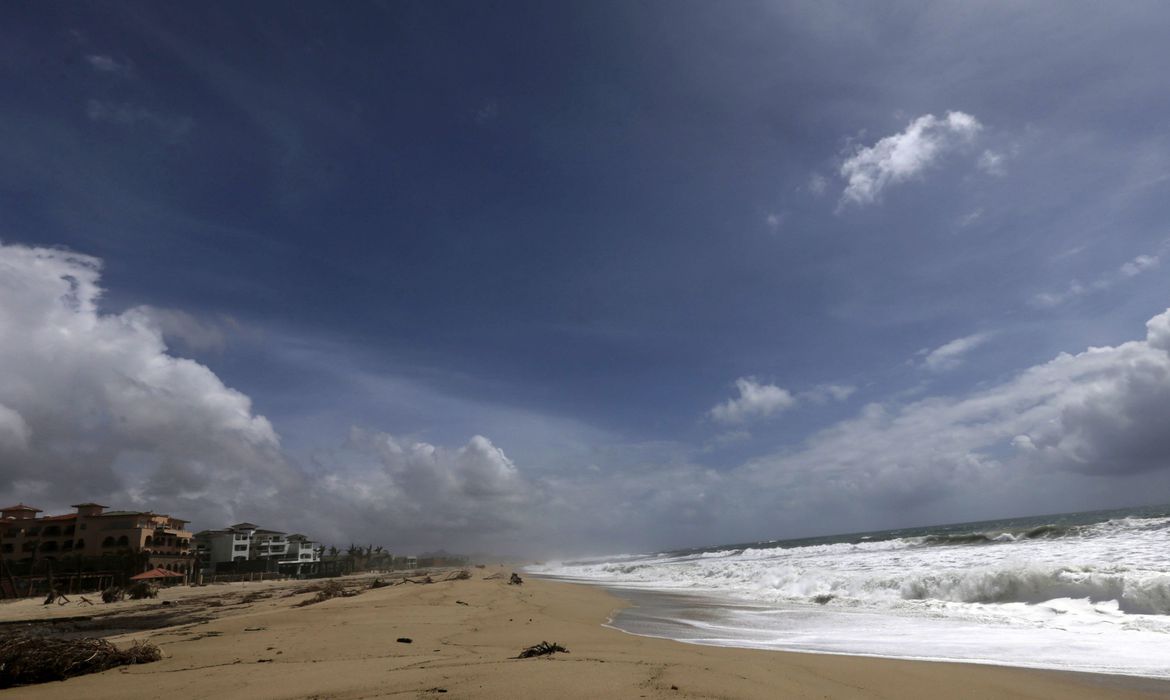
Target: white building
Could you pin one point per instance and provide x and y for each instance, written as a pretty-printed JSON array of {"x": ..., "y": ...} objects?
[{"x": 247, "y": 542}]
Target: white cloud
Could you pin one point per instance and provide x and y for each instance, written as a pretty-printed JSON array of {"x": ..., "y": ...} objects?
[
  {"x": 824, "y": 393},
  {"x": 177, "y": 326},
  {"x": 1128, "y": 270},
  {"x": 127, "y": 114},
  {"x": 1100, "y": 412},
  {"x": 106, "y": 413},
  {"x": 893, "y": 159},
  {"x": 108, "y": 64},
  {"x": 1138, "y": 265},
  {"x": 818, "y": 184},
  {"x": 992, "y": 163},
  {"x": 93, "y": 407},
  {"x": 755, "y": 401},
  {"x": 774, "y": 221},
  {"x": 951, "y": 355}
]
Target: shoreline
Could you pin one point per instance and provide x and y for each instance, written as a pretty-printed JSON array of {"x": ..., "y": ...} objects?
[
  {"x": 465, "y": 636},
  {"x": 657, "y": 622}
]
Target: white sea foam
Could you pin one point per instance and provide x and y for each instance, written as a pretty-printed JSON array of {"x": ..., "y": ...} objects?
[{"x": 1092, "y": 597}]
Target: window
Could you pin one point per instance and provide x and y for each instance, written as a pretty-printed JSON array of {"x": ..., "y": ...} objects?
[
  {"x": 6, "y": 548},
  {"x": 149, "y": 541},
  {"x": 241, "y": 548},
  {"x": 49, "y": 546},
  {"x": 81, "y": 544},
  {"x": 33, "y": 531},
  {"x": 123, "y": 541},
  {"x": 109, "y": 542}
]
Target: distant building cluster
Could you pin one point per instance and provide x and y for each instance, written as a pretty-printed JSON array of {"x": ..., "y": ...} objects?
[
  {"x": 241, "y": 543},
  {"x": 144, "y": 540}
]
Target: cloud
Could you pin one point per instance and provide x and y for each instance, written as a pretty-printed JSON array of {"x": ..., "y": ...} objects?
[
  {"x": 127, "y": 114},
  {"x": 824, "y": 393},
  {"x": 1096, "y": 413},
  {"x": 992, "y": 163},
  {"x": 893, "y": 159},
  {"x": 1127, "y": 270},
  {"x": 755, "y": 401},
  {"x": 182, "y": 328},
  {"x": 818, "y": 184},
  {"x": 101, "y": 410},
  {"x": 94, "y": 407},
  {"x": 426, "y": 495},
  {"x": 951, "y": 355},
  {"x": 108, "y": 64}
]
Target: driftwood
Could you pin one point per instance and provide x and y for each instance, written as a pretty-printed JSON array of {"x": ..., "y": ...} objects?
[
  {"x": 515, "y": 580},
  {"x": 328, "y": 591},
  {"x": 28, "y": 660},
  {"x": 542, "y": 649}
]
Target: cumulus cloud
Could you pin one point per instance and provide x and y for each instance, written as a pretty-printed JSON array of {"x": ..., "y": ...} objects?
[
  {"x": 951, "y": 355},
  {"x": 1128, "y": 270},
  {"x": 101, "y": 410},
  {"x": 897, "y": 158},
  {"x": 1100, "y": 412},
  {"x": 178, "y": 326},
  {"x": 94, "y": 407},
  {"x": 755, "y": 400},
  {"x": 428, "y": 495}
]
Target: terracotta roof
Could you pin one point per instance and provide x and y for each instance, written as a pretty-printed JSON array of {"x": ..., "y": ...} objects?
[
  {"x": 70, "y": 516},
  {"x": 157, "y": 572},
  {"x": 21, "y": 506},
  {"x": 83, "y": 505}
]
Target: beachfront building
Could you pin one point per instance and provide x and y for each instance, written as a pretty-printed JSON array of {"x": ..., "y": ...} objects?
[
  {"x": 92, "y": 531},
  {"x": 246, "y": 547}
]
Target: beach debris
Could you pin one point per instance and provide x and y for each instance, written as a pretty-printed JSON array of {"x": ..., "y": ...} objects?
[
  {"x": 379, "y": 583},
  {"x": 255, "y": 629},
  {"x": 27, "y": 660},
  {"x": 542, "y": 649},
  {"x": 328, "y": 591},
  {"x": 493, "y": 577},
  {"x": 461, "y": 575},
  {"x": 404, "y": 640},
  {"x": 460, "y": 602},
  {"x": 113, "y": 594},
  {"x": 436, "y": 690},
  {"x": 84, "y": 601},
  {"x": 823, "y": 598},
  {"x": 55, "y": 596},
  {"x": 515, "y": 580}
]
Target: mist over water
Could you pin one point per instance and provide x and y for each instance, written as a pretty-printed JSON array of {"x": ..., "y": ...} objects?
[{"x": 1079, "y": 591}]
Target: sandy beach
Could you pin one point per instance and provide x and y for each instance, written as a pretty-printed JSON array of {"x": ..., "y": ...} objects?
[{"x": 250, "y": 641}]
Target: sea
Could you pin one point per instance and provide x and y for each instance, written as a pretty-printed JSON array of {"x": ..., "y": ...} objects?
[{"x": 1075, "y": 591}]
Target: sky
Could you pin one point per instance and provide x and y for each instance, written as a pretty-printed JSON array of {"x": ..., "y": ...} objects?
[{"x": 552, "y": 278}]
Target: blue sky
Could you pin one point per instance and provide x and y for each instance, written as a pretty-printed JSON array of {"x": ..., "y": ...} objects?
[{"x": 658, "y": 266}]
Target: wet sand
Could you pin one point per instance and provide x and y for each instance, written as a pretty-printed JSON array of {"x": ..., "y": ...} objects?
[{"x": 464, "y": 637}]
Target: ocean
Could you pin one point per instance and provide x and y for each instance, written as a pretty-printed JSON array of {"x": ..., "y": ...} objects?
[{"x": 1075, "y": 591}]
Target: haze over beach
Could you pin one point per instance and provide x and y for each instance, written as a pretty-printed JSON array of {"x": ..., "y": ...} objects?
[{"x": 664, "y": 296}]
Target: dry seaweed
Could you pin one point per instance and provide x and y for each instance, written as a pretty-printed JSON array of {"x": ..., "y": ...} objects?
[
  {"x": 542, "y": 649},
  {"x": 27, "y": 660}
]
